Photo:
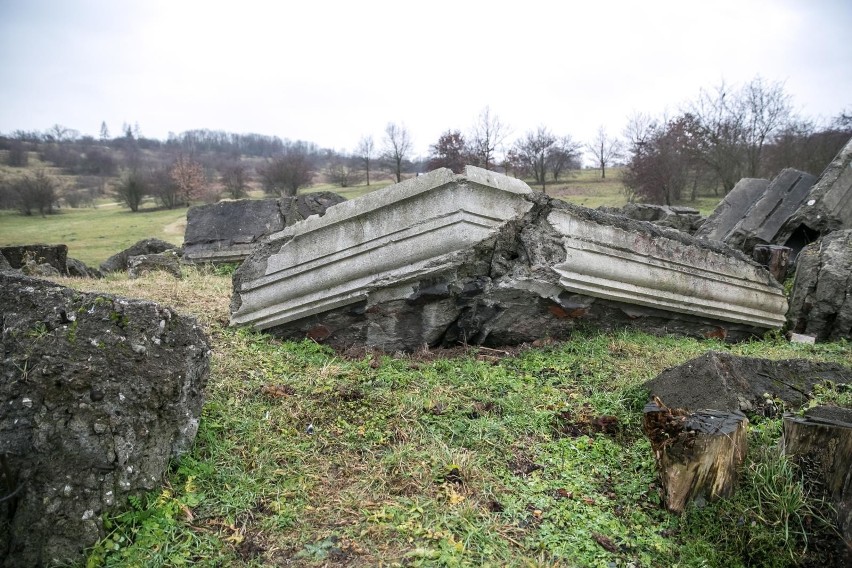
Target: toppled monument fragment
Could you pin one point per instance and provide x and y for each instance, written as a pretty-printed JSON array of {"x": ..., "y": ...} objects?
[
  {"x": 482, "y": 259},
  {"x": 119, "y": 260},
  {"x": 795, "y": 209},
  {"x": 827, "y": 208},
  {"x": 731, "y": 209},
  {"x": 821, "y": 302},
  {"x": 98, "y": 393},
  {"x": 762, "y": 221},
  {"x": 227, "y": 231}
]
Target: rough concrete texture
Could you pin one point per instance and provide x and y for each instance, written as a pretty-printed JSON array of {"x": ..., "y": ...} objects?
[
  {"x": 119, "y": 260},
  {"x": 482, "y": 259},
  {"x": 227, "y": 231},
  {"x": 732, "y": 208},
  {"x": 761, "y": 223},
  {"x": 722, "y": 381},
  {"x": 828, "y": 206},
  {"x": 54, "y": 255},
  {"x": 821, "y": 301},
  {"x": 167, "y": 262},
  {"x": 97, "y": 393},
  {"x": 79, "y": 269},
  {"x": 686, "y": 219}
]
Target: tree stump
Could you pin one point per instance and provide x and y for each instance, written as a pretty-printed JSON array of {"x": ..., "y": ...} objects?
[
  {"x": 821, "y": 444},
  {"x": 698, "y": 453},
  {"x": 774, "y": 257}
]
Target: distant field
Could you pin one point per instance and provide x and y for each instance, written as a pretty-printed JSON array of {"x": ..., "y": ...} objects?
[{"x": 94, "y": 234}]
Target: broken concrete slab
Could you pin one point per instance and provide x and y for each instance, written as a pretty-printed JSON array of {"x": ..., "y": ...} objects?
[
  {"x": 723, "y": 381},
  {"x": 98, "y": 394},
  {"x": 686, "y": 219},
  {"x": 227, "y": 231},
  {"x": 821, "y": 302},
  {"x": 481, "y": 258},
  {"x": 732, "y": 208},
  {"x": 761, "y": 223},
  {"x": 119, "y": 260},
  {"x": 828, "y": 206},
  {"x": 20, "y": 255}
]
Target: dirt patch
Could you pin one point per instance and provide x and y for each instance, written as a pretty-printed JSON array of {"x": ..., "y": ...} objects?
[
  {"x": 176, "y": 228},
  {"x": 721, "y": 381}
]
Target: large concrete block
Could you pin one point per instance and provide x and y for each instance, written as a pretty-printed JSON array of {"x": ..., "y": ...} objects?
[
  {"x": 228, "y": 231},
  {"x": 828, "y": 206},
  {"x": 481, "y": 258},
  {"x": 732, "y": 208},
  {"x": 761, "y": 223}
]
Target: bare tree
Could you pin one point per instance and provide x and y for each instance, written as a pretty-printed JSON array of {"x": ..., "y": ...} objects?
[
  {"x": 532, "y": 151},
  {"x": 450, "y": 151},
  {"x": 234, "y": 178},
  {"x": 563, "y": 155},
  {"x": 294, "y": 168},
  {"x": 732, "y": 127},
  {"x": 487, "y": 135},
  {"x": 36, "y": 191},
  {"x": 365, "y": 151},
  {"x": 605, "y": 149},
  {"x": 397, "y": 147},
  {"x": 104, "y": 131},
  {"x": 132, "y": 189},
  {"x": 188, "y": 177},
  {"x": 340, "y": 171}
]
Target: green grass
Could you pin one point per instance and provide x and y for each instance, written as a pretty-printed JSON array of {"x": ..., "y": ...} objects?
[
  {"x": 308, "y": 458},
  {"x": 93, "y": 234}
]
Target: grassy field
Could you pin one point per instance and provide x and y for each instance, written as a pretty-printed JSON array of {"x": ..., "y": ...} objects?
[
  {"x": 93, "y": 234},
  {"x": 473, "y": 457}
]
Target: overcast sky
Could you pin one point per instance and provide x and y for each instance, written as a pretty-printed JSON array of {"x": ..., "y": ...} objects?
[{"x": 332, "y": 71}]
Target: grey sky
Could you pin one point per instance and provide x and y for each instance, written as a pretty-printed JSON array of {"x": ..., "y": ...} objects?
[{"x": 332, "y": 71}]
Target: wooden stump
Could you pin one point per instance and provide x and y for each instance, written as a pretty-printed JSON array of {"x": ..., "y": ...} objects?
[
  {"x": 698, "y": 453},
  {"x": 774, "y": 257},
  {"x": 821, "y": 444}
]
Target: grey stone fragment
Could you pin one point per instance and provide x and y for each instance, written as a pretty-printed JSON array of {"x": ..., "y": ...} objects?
[
  {"x": 87, "y": 420},
  {"x": 227, "y": 231},
  {"x": 298, "y": 208},
  {"x": 828, "y": 206},
  {"x": 4, "y": 264},
  {"x": 79, "y": 269},
  {"x": 685, "y": 219},
  {"x": 141, "y": 265},
  {"x": 732, "y": 208},
  {"x": 54, "y": 255},
  {"x": 722, "y": 381},
  {"x": 821, "y": 302},
  {"x": 118, "y": 261},
  {"x": 761, "y": 224}
]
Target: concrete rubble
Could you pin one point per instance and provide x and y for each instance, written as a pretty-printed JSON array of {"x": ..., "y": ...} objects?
[
  {"x": 480, "y": 258},
  {"x": 792, "y": 210},
  {"x": 227, "y": 231},
  {"x": 821, "y": 301}
]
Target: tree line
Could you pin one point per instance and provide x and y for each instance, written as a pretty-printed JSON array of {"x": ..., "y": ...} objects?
[{"x": 726, "y": 133}]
